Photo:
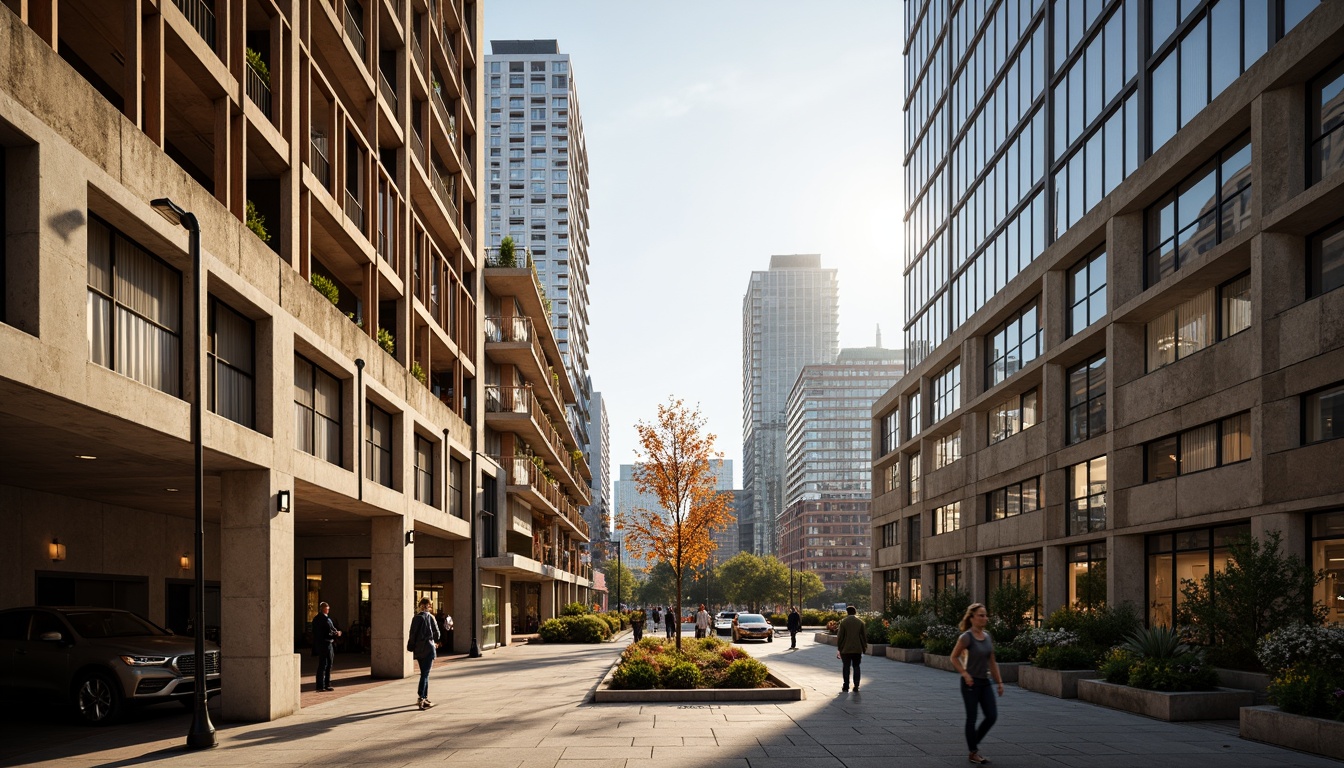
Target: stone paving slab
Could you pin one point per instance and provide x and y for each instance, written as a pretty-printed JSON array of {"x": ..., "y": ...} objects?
[{"x": 528, "y": 707}]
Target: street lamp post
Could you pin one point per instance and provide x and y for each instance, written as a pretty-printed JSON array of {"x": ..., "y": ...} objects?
[
  {"x": 618, "y": 574},
  {"x": 202, "y": 733}
]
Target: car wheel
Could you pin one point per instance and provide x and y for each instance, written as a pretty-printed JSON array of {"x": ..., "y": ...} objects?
[
  {"x": 770, "y": 639},
  {"x": 98, "y": 699}
]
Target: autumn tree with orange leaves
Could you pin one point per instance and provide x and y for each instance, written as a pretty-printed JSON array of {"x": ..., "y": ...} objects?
[{"x": 674, "y": 467}]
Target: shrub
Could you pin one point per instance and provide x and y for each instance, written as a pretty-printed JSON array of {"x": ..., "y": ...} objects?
[
  {"x": 635, "y": 674},
  {"x": 1009, "y": 654},
  {"x": 574, "y": 609},
  {"x": 256, "y": 222},
  {"x": 950, "y": 604},
  {"x": 506, "y": 257},
  {"x": 258, "y": 65},
  {"x": 902, "y": 639},
  {"x": 1065, "y": 657},
  {"x": 941, "y": 639},
  {"x": 1011, "y": 605},
  {"x": 1260, "y": 589},
  {"x": 588, "y": 629},
  {"x": 682, "y": 674},
  {"x": 419, "y": 373},
  {"x": 1101, "y": 628},
  {"x": 731, "y": 654},
  {"x": 1158, "y": 642},
  {"x": 814, "y": 618},
  {"x": 832, "y": 626},
  {"x": 1315, "y": 690},
  {"x": 1299, "y": 644},
  {"x": 875, "y": 628},
  {"x": 387, "y": 341},
  {"x": 778, "y": 619},
  {"x": 914, "y": 624},
  {"x": 553, "y": 631},
  {"x": 327, "y": 287},
  {"x": 1184, "y": 672},
  {"x": 744, "y": 673},
  {"x": 1116, "y": 666},
  {"x": 897, "y": 608}
]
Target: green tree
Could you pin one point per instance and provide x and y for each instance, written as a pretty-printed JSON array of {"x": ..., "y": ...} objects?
[
  {"x": 622, "y": 578},
  {"x": 506, "y": 257},
  {"x": 858, "y": 592},
  {"x": 659, "y": 586},
  {"x": 807, "y": 586}
]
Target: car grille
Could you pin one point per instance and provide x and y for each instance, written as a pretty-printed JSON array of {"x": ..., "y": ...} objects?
[{"x": 187, "y": 664}]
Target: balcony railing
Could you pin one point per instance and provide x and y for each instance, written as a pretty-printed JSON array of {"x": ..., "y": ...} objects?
[
  {"x": 419, "y": 51},
  {"x": 523, "y": 470},
  {"x": 513, "y": 328},
  {"x": 258, "y": 90},
  {"x": 449, "y": 124},
  {"x": 463, "y": 157},
  {"x": 446, "y": 37},
  {"x": 442, "y": 189},
  {"x": 501, "y": 399},
  {"x": 353, "y": 16},
  {"x": 389, "y": 93},
  {"x": 417, "y": 146},
  {"x": 318, "y": 157},
  {"x": 354, "y": 209},
  {"x": 202, "y": 18}
]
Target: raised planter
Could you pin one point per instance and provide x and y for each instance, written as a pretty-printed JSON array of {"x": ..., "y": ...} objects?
[
  {"x": 781, "y": 689},
  {"x": 938, "y": 661},
  {"x": 1060, "y": 683},
  {"x": 1307, "y": 734},
  {"x": 908, "y": 655},
  {"x": 1221, "y": 704},
  {"x": 1012, "y": 670},
  {"x": 827, "y": 638},
  {"x": 1248, "y": 681},
  {"x": 877, "y": 649}
]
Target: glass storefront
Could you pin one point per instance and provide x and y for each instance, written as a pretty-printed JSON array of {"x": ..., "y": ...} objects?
[
  {"x": 489, "y": 615},
  {"x": 1087, "y": 576},
  {"x": 1019, "y": 568},
  {"x": 1327, "y": 554},
  {"x": 525, "y": 607},
  {"x": 1185, "y": 555}
]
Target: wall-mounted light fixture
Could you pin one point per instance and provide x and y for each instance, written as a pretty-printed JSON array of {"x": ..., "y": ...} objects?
[
  {"x": 56, "y": 551},
  {"x": 184, "y": 562},
  {"x": 410, "y": 537},
  {"x": 282, "y": 501}
]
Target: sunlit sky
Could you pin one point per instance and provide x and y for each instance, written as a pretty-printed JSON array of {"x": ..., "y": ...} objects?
[{"x": 720, "y": 133}]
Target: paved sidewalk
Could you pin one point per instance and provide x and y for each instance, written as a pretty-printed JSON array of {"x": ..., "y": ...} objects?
[{"x": 524, "y": 707}]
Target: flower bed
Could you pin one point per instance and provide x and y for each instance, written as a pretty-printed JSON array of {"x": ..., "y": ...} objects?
[
  {"x": 704, "y": 670},
  {"x": 1308, "y": 667}
]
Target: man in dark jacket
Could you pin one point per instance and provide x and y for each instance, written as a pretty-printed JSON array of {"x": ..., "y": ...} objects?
[
  {"x": 852, "y": 642},
  {"x": 795, "y": 626},
  {"x": 423, "y": 645},
  {"x": 324, "y": 637}
]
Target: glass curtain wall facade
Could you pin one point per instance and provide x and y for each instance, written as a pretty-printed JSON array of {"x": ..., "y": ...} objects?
[{"x": 1122, "y": 239}]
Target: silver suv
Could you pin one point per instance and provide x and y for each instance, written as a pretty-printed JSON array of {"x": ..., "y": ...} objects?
[{"x": 98, "y": 660}]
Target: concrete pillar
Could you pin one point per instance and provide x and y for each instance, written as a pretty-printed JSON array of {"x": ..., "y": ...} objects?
[
  {"x": 1054, "y": 578},
  {"x": 1279, "y": 139},
  {"x": 257, "y": 602},
  {"x": 1292, "y": 527},
  {"x": 462, "y": 597},
  {"x": 390, "y": 596},
  {"x": 131, "y": 69},
  {"x": 152, "y": 92},
  {"x": 1127, "y": 572}
]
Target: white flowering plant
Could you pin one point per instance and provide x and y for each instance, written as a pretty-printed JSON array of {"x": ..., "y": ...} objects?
[
  {"x": 1295, "y": 644},
  {"x": 941, "y": 638},
  {"x": 1034, "y": 638}
]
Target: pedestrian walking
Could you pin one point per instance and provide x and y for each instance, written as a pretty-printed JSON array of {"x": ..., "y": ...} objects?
[
  {"x": 657, "y": 618},
  {"x": 702, "y": 622},
  {"x": 324, "y": 648},
  {"x": 975, "y": 673},
  {"x": 637, "y": 624},
  {"x": 423, "y": 645},
  {"x": 851, "y": 644},
  {"x": 448, "y": 632},
  {"x": 795, "y": 626},
  {"x": 671, "y": 621}
]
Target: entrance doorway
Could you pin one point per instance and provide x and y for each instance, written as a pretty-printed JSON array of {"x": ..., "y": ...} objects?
[
  {"x": 525, "y": 606},
  {"x": 180, "y": 608}
]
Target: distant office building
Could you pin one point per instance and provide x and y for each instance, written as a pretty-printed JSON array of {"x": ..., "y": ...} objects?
[
  {"x": 825, "y": 527},
  {"x": 1124, "y": 247},
  {"x": 626, "y": 497},
  {"x": 741, "y": 511},
  {"x": 790, "y": 318},
  {"x": 598, "y": 514}
]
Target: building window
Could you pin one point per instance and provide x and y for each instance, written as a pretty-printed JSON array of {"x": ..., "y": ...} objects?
[
  {"x": 891, "y": 587},
  {"x": 1325, "y": 270},
  {"x": 1013, "y": 345},
  {"x": 946, "y": 576},
  {"x": 378, "y": 445},
  {"x": 1086, "y": 503},
  {"x": 424, "y": 470},
  {"x": 1087, "y": 576},
  {"x": 1087, "y": 400},
  {"x": 1087, "y": 292},
  {"x": 889, "y": 537},
  {"x": 913, "y": 535},
  {"x": 1195, "y": 323},
  {"x": 946, "y": 449},
  {"x": 1014, "y": 499},
  {"x": 317, "y": 411},
  {"x": 1187, "y": 555},
  {"x": 914, "y": 478},
  {"x": 1011, "y": 416},
  {"x": 947, "y": 518},
  {"x": 231, "y": 365},
  {"x": 891, "y": 432},
  {"x": 912, "y": 408},
  {"x": 134, "y": 311},
  {"x": 893, "y": 476},
  {"x": 456, "y": 508},
  {"x": 1211, "y": 205},
  {"x": 1323, "y": 414},
  {"x": 947, "y": 392},
  {"x": 1326, "y": 94},
  {"x": 1022, "y": 568},
  {"x": 1207, "y": 446},
  {"x": 1327, "y": 555}
]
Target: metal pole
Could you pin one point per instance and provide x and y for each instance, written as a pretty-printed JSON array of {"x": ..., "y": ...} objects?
[
  {"x": 202, "y": 734},
  {"x": 618, "y": 574}
]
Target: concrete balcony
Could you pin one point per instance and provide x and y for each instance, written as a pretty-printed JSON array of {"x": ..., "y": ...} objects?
[
  {"x": 512, "y": 340},
  {"x": 518, "y": 279},
  {"x": 526, "y": 569},
  {"x": 515, "y": 410}
]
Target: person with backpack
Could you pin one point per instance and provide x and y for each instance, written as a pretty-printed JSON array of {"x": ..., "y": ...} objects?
[{"x": 423, "y": 642}]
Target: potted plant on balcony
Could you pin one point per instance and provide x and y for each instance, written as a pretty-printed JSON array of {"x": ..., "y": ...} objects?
[
  {"x": 419, "y": 373},
  {"x": 258, "y": 65},
  {"x": 256, "y": 222},
  {"x": 506, "y": 258},
  {"x": 327, "y": 287},
  {"x": 387, "y": 341}
]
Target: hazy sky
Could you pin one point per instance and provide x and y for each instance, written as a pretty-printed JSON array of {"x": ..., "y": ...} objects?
[{"x": 720, "y": 133}]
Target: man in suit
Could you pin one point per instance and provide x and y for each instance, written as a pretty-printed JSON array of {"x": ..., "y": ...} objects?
[
  {"x": 852, "y": 642},
  {"x": 324, "y": 637},
  {"x": 795, "y": 626},
  {"x": 423, "y": 645}
]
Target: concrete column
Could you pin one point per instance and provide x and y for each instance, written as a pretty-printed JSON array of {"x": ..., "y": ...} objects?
[
  {"x": 257, "y": 602},
  {"x": 1054, "y": 579},
  {"x": 1279, "y": 139},
  {"x": 390, "y": 596},
  {"x": 1127, "y": 572},
  {"x": 152, "y": 94},
  {"x": 462, "y": 597},
  {"x": 131, "y": 69},
  {"x": 42, "y": 17},
  {"x": 1292, "y": 526}
]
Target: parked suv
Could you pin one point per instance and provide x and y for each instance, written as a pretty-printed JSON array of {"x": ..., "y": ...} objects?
[
  {"x": 97, "y": 659},
  {"x": 752, "y": 626},
  {"x": 723, "y": 623}
]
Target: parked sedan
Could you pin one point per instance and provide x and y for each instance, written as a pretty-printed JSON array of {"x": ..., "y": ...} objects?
[
  {"x": 98, "y": 660},
  {"x": 752, "y": 626},
  {"x": 723, "y": 623}
]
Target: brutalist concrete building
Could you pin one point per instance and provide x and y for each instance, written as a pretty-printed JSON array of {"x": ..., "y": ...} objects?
[{"x": 1126, "y": 344}]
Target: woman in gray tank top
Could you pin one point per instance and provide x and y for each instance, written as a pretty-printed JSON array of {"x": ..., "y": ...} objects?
[{"x": 976, "y": 671}]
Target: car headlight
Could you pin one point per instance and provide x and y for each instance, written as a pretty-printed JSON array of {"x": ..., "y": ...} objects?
[{"x": 145, "y": 661}]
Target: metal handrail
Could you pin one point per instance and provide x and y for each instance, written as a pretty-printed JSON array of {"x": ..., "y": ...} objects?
[
  {"x": 318, "y": 158},
  {"x": 354, "y": 210},
  {"x": 258, "y": 90},
  {"x": 387, "y": 90},
  {"x": 353, "y": 30},
  {"x": 201, "y": 17}
]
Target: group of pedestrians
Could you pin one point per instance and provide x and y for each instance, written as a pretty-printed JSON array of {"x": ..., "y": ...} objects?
[{"x": 972, "y": 658}]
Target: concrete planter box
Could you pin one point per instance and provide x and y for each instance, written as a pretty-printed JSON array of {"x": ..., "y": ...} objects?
[
  {"x": 781, "y": 689},
  {"x": 877, "y": 649},
  {"x": 827, "y": 638},
  {"x": 907, "y": 655},
  {"x": 1247, "y": 681},
  {"x": 938, "y": 661},
  {"x": 1222, "y": 704},
  {"x": 1060, "y": 683},
  {"x": 1307, "y": 734},
  {"x": 1012, "y": 670}
]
